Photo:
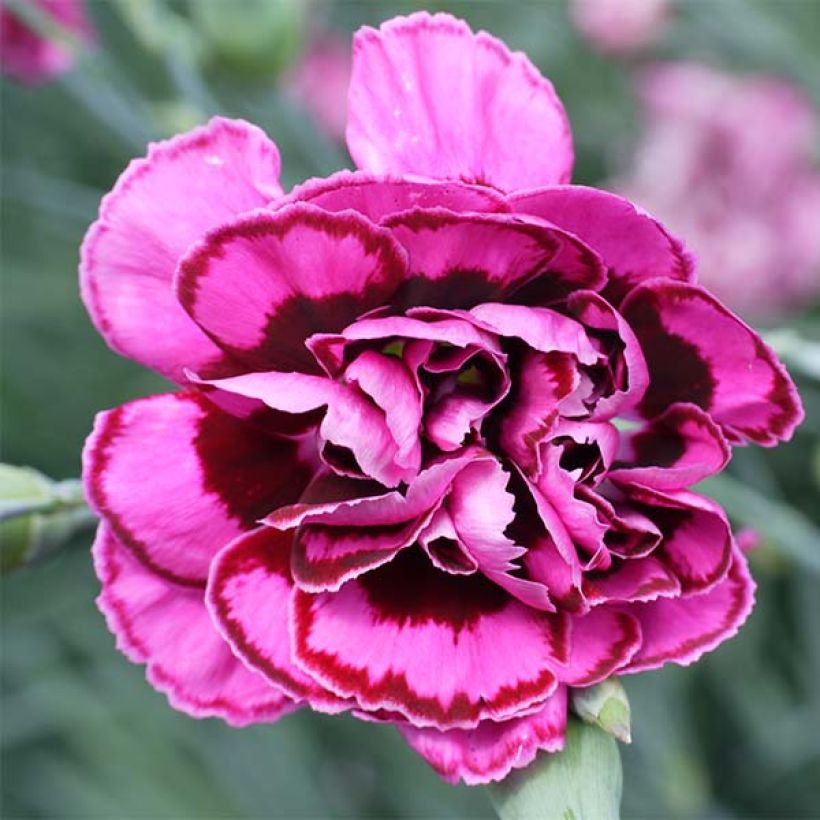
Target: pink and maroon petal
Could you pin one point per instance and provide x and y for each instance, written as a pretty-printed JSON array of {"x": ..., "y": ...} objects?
[
  {"x": 380, "y": 196},
  {"x": 679, "y": 448},
  {"x": 460, "y": 260},
  {"x": 638, "y": 579},
  {"x": 352, "y": 422},
  {"x": 633, "y": 245},
  {"x": 680, "y": 630},
  {"x": 493, "y": 749},
  {"x": 697, "y": 351},
  {"x": 697, "y": 540},
  {"x": 168, "y": 628},
  {"x": 248, "y": 595},
  {"x": 430, "y": 98},
  {"x": 177, "y": 479},
  {"x": 160, "y": 206},
  {"x": 443, "y": 650},
  {"x": 602, "y": 642},
  {"x": 440, "y": 541},
  {"x": 262, "y": 284}
]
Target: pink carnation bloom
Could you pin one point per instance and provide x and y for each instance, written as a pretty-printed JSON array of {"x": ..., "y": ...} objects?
[
  {"x": 31, "y": 58},
  {"x": 393, "y": 482},
  {"x": 319, "y": 81},
  {"x": 620, "y": 26},
  {"x": 747, "y": 198}
]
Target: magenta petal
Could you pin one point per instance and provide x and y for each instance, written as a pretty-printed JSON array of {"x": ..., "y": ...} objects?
[
  {"x": 430, "y": 98},
  {"x": 443, "y": 650},
  {"x": 493, "y": 749},
  {"x": 602, "y": 642},
  {"x": 260, "y": 285},
  {"x": 248, "y": 593},
  {"x": 679, "y": 448},
  {"x": 638, "y": 579},
  {"x": 698, "y": 351},
  {"x": 460, "y": 260},
  {"x": 680, "y": 630},
  {"x": 157, "y": 209},
  {"x": 167, "y": 627},
  {"x": 352, "y": 421},
  {"x": 377, "y": 197},
  {"x": 440, "y": 541},
  {"x": 177, "y": 479},
  {"x": 633, "y": 245}
]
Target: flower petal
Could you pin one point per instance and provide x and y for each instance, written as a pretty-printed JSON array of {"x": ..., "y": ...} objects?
[
  {"x": 160, "y": 206},
  {"x": 260, "y": 285},
  {"x": 443, "y": 650},
  {"x": 177, "y": 479},
  {"x": 428, "y": 97},
  {"x": 677, "y": 449},
  {"x": 167, "y": 627},
  {"x": 633, "y": 245},
  {"x": 380, "y": 196},
  {"x": 680, "y": 630},
  {"x": 639, "y": 579},
  {"x": 698, "y": 351},
  {"x": 249, "y": 588},
  {"x": 493, "y": 749},
  {"x": 461, "y": 260}
]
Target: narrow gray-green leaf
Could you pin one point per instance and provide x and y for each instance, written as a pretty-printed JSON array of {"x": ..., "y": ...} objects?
[{"x": 583, "y": 782}]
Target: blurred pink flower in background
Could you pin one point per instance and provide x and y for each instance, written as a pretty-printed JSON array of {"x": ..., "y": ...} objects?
[
  {"x": 319, "y": 81},
  {"x": 620, "y": 26},
  {"x": 727, "y": 162},
  {"x": 27, "y": 55}
]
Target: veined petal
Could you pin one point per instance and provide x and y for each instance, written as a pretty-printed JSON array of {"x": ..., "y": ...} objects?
[
  {"x": 262, "y": 284},
  {"x": 429, "y": 97},
  {"x": 494, "y": 748},
  {"x": 177, "y": 479},
  {"x": 168, "y": 628},
  {"x": 697, "y": 351},
  {"x": 159, "y": 207}
]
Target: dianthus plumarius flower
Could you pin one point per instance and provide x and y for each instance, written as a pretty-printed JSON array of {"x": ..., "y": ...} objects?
[{"x": 438, "y": 419}]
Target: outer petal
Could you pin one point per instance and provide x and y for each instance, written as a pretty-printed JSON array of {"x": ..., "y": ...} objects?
[
  {"x": 249, "y": 588},
  {"x": 160, "y": 206},
  {"x": 443, "y": 650},
  {"x": 177, "y": 479},
  {"x": 167, "y": 627},
  {"x": 429, "y": 97},
  {"x": 633, "y": 245},
  {"x": 682, "y": 629},
  {"x": 679, "y": 448},
  {"x": 264, "y": 283},
  {"x": 462, "y": 260},
  {"x": 380, "y": 196},
  {"x": 698, "y": 351},
  {"x": 493, "y": 749}
]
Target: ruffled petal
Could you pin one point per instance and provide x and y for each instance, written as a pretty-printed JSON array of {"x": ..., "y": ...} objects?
[
  {"x": 442, "y": 650},
  {"x": 380, "y": 196},
  {"x": 168, "y": 628},
  {"x": 680, "y": 630},
  {"x": 262, "y": 284},
  {"x": 428, "y": 97},
  {"x": 697, "y": 351},
  {"x": 177, "y": 479},
  {"x": 158, "y": 208},
  {"x": 493, "y": 749},
  {"x": 633, "y": 245},
  {"x": 249, "y": 588},
  {"x": 461, "y": 260},
  {"x": 679, "y": 448}
]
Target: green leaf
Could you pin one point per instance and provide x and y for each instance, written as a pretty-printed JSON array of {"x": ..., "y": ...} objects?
[{"x": 583, "y": 782}]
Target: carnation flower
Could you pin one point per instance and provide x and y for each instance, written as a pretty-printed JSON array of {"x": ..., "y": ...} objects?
[
  {"x": 438, "y": 419},
  {"x": 32, "y": 58},
  {"x": 746, "y": 198},
  {"x": 620, "y": 27}
]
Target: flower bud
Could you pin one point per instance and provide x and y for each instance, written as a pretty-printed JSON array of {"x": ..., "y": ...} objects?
[{"x": 605, "y": 705}]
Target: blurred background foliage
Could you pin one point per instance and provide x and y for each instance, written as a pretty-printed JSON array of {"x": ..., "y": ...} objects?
[{"x": 83, "y": 735}]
